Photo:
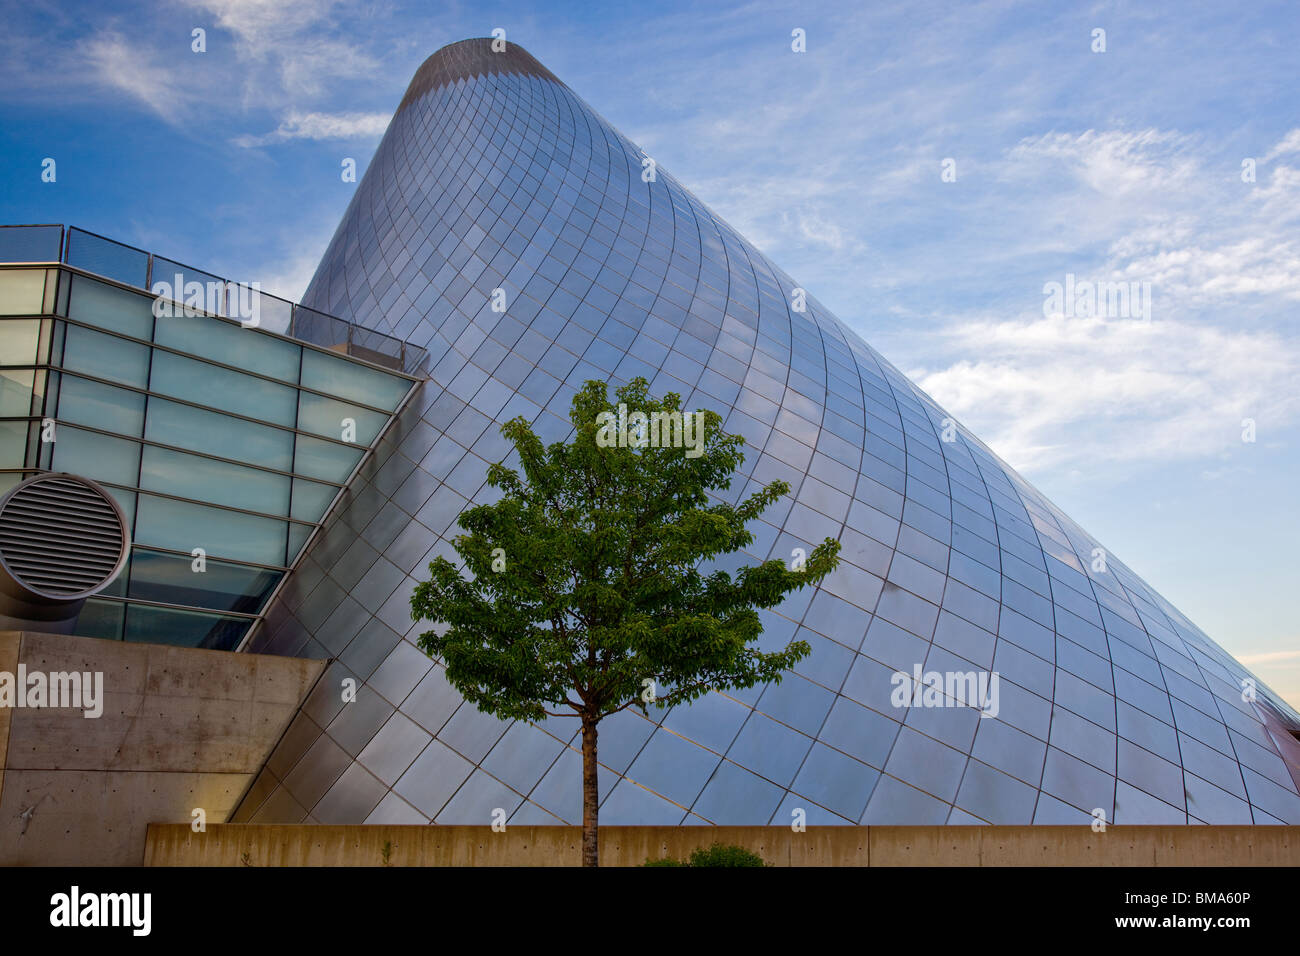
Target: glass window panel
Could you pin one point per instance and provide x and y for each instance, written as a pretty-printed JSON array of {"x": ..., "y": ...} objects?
[
  {"x": 222, "y": 483},
  {"x": 106, "y": 356},
  {"x": 322, "y": 459},
  {"x": 16, "y": 391},
  {"x": 126, "y": 501},
  {"x": 222, "y": 388},
  {"x": 110, "y": 308},
  {"x": 107, "y": 258},
  {"x": 319, "y": 328},
  {"x": 211, "y": 432},
  {"x": 171, "y": 579},
  {"x": 231, "y": 344},
  {"x": 310, "y": 499},
  {"x": 182, "y": 526},
  {"x": 188, "y": 286},
  {"x": 96, "y": 456},
  {"x": 117, "y": 587},
  {"x": 101, "y": 406},
  {"x": 274, "y": 314},
  {"x": 13, "y": 444},
  {"x": 156, "y": 625},
  {"x": 352, "y": 381},
  {"x": 325, "y": 416},
  {"x": 22, "y": 291},
  {"x": 19, "y": 338},
  {"x": 298, "y": 534},
  {"x": 102, "y": 619},
  {"x": 30, "y": 243}
]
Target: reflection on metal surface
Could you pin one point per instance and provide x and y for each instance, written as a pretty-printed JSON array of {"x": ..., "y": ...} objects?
[{"x": 495, "y": 183}]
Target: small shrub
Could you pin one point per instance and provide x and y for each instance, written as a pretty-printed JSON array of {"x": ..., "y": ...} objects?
[
  {"x": 717, "y": 854},
  {"x": 720, "y": 855}
]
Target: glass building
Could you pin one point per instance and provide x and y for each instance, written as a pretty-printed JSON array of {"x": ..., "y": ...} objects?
[
  {"x": 223, "y": 444},
  {"x": 494, "y": 175}
]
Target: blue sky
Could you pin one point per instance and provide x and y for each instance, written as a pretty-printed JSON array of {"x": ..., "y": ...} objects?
[{"x": 1117, "y": 166}]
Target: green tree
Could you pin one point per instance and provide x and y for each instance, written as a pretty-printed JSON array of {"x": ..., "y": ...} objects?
[{"x": 582, "y": 590}]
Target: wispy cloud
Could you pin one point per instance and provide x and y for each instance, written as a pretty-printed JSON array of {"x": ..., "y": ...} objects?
[
  {"x": 1071, "y": 392},
  {"x": 1288, "y": 144},
  {"x": 290, "y": 53},
  {"x": 302, "y": 43},
  {"x": 1051, "y": 392},
  {"x": 1109, "y": 162},
  {"x": 131, "y": 68},
  {"x": 289, "y": 277},
  {"x": 1270, "y": 657},
  {"x": 320, "y": 126}
]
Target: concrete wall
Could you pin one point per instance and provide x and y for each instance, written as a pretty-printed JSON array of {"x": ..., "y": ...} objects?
[
  {"x": 9, "y": 644},
  {"x": 320, "y": 845},
  {"x": 182, "y": 728}
]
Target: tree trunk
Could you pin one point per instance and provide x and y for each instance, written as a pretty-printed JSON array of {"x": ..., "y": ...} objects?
[{"x": 590, "y": 796}]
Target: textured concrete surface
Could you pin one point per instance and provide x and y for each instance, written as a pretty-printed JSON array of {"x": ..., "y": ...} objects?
[
  {"x": 181, "y": 729},
  {"x": 9, "y": 644},
  {"x": 318, "y": 845}
]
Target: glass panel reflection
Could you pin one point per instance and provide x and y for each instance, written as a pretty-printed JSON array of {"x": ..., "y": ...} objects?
[
  {"x": 110, "y": 308},
  {"x": 204, "y": 431},
  {"x": 221, "y": 388},
  {"x": 22, "y": 291},
  {"x": 182, "y": 526},
  {"x": 19, "y": 339},
  {"x": 222, "y": 586},
  {"x": 220, "y": 482},
  {"x": 155, "y": 625}
]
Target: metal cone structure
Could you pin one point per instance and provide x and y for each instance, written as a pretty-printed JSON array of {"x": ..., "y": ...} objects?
[{"x": 1094, "y": 696}]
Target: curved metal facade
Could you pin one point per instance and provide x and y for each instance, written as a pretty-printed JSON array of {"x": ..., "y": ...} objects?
[{"x": 493, "y": 174}]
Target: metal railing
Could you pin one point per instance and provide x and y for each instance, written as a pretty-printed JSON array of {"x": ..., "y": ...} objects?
[{"x": 140, "y": 269}]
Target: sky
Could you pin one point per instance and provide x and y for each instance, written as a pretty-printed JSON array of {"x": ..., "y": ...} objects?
[{"x": 925, "y": 169}]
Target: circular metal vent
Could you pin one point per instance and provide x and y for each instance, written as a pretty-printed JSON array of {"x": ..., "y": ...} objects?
[{"x": 61, "y": 536}]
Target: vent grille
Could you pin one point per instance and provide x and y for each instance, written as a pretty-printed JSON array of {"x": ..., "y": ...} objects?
[{"x": 61, "y": 536}]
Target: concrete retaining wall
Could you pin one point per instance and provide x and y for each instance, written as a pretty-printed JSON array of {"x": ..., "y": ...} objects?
[
  {"x": 320, "y": 845},
  {"x": 181, "y": 728}
]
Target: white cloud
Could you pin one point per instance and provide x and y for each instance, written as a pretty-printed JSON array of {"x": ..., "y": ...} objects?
[
  {"x": 1288, "y": 144},
  {"x": 287, "y": 50},
  {"x": 291, "y": 48},
  {"x": 1065, "y": 392},
  {"x": 1280, "y": 670},
  {"x": 290, "y": 277},
  {"x": 1269, "y": 657},
  {"x": 1196, "y": 275},
  {"x": 1111, "y": 162},
  {"x": 1223, "y": 261},
  {"x": 130, "y": 69},
  {"x": 320, "y": 126}
]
